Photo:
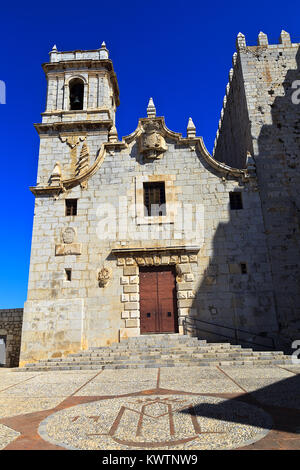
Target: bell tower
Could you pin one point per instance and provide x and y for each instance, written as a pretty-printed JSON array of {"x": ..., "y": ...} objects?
[
  {"x": 79, "y": 120},
  {"x": 82, "y": 86},
  {"x": 82, "y": 97}
]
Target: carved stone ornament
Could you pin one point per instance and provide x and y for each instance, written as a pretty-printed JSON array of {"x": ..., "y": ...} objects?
[
  {"x": 68, "y": 235},
  {"x": 104, "y": 276},
  {"x": 152, "y": 143},
  {"x": 64, "y": 249}
]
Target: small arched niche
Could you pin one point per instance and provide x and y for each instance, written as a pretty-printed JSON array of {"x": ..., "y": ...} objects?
[{"x": 76, "y": 89}]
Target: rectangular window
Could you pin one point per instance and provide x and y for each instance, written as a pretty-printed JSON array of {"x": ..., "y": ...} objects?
[
  {"x": 243, "y": 268},
  {"x": 71, "y": 206},
  {"x": 235, "y": 200},
  {"x": 154, "y": 199},
  {"x": 68, "y": 272}
]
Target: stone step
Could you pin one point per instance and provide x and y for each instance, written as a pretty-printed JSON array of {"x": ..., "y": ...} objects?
[
  {"x": 160, "y": 351},
  {"x": 158, "y": 360},
  {"x": 187, "y": 357},
  {"x": 40, "y": 368}
]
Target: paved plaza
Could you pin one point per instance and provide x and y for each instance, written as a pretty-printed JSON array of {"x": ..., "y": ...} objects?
[{"x": 176, "y": 408}]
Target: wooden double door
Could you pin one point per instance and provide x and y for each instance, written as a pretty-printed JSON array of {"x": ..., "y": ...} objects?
[{"x": 158, "y": 305}]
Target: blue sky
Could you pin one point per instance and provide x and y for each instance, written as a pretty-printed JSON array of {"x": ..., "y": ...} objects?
[{"x": 177, "y": 52}]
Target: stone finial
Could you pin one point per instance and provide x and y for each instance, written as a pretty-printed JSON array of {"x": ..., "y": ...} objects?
[
  {"x": 191, "y": 129},
  {"x": 151, "y": 110},
  {"x": 52, "y": 53},
  {"x": 234, "y": 58},
  {"x": 103, "y": 51},
  {"x": 262, "y": 39},
  {"x": 55, "y": 177},
  {"x": 113, "y": 135},
  {"x": 284, "y": 38},
  {"x": 240, "y": 41}
]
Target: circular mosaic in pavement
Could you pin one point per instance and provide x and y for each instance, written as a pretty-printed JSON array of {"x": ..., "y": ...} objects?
[{"x": 157, "y": 422}]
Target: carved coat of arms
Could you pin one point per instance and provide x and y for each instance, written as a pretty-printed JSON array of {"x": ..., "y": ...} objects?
[
  {"x": 104, "y": 276},
  {"x": 152, "y": 143}
]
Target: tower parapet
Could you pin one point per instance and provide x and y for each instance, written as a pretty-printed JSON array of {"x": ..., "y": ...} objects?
[{"x": 82, "y": 86}]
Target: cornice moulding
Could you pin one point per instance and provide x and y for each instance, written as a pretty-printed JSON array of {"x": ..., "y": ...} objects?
[
  {"x": 44, "y": 128},
  {"x": 109, "y": 147}
]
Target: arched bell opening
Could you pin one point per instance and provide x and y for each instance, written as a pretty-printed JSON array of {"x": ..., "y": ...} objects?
[{"x": 76, "y": 87}]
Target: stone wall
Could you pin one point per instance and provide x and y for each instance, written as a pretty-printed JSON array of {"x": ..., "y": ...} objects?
[
  {"x": 10, "y": 330},
  {"x": 64, "y": 316},
  {"x": 233, "y": 139},
  {"x": 269, "y": 74}
]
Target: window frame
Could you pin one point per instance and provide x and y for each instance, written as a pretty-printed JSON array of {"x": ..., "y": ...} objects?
[
  {"x": 66, "y": 207},
  {"x": 170, "y": 197}
]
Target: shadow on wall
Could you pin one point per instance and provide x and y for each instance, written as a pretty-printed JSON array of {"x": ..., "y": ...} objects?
[
  {"x": 236, "y": 290},
  {"x": 278, "y": 169},
  {"x": 265, "y": 299}
]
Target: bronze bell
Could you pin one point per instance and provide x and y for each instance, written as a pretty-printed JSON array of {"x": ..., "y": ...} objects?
[{"x": 76, "y": 100}]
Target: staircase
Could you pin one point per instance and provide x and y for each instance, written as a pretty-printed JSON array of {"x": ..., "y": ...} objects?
[{"x": 166, "y": 350}]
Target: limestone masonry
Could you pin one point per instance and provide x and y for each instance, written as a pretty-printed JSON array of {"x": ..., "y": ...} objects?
[{"x": 152, "y": 234}]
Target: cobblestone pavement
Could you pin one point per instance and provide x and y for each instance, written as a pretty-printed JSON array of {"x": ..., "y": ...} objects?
[{"x": 246, "y": 407}]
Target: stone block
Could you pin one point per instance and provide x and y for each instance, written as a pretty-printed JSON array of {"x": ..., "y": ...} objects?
[
  {"x": 234, "y": 268},
  {"x": 191, "y": 294},
  {"x": 182, "y": 294},
  {"x": 134, "y": 279},
  {"x": 189, "y": 277},
  {"x": 125, "y": 333},
  {"x": 134, "y": 314},
  {"x": 183, "y": 286},
  {"x": 183, "y": 312},
  {"x": 185, "y": 303},
  {"x": 183, "y": 268},
  {"x": 132, "y": 323},
  {"x": 134, "y": 297},
  {"x": 134, "y": 288},
  {"x": 131, "y": 305}
]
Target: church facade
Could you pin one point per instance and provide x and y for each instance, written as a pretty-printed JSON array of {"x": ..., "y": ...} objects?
[{"x": 150, "y": 233}]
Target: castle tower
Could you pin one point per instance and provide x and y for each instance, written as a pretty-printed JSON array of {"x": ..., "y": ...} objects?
[{"x": 260, "y": 116}]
